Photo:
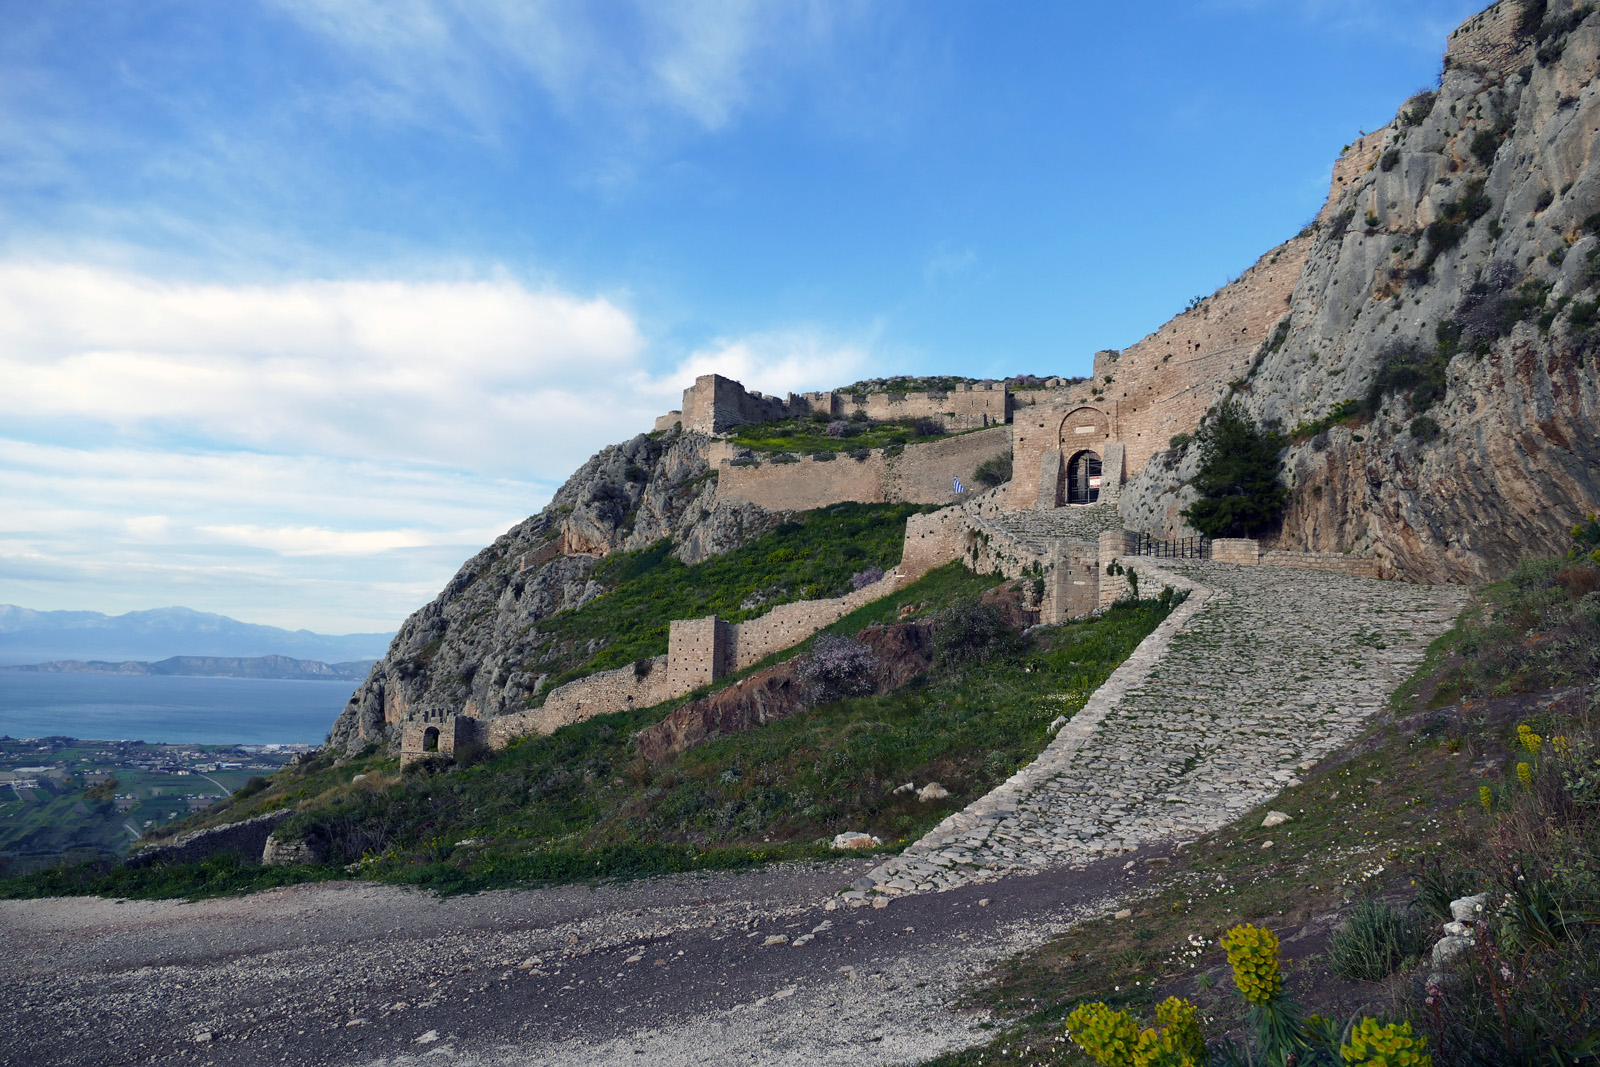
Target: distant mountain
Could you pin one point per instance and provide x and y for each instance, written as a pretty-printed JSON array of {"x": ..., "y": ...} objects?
[
  {"x": 211, "y": 667},
  {"x": 28, "y": 636}
]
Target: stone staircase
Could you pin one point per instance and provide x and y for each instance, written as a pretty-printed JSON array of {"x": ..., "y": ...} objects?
[
  {"x": 1036, "y": 529},
  {"x": 1263, "y": 672}
]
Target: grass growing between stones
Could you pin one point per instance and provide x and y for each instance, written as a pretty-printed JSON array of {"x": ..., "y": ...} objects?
[
  {"x": 582, "y": 805},
  {"x": 1435, "y": 803}
]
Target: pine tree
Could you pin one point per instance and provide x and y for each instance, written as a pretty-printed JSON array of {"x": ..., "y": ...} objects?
[{"x": 1238, "y": 479}]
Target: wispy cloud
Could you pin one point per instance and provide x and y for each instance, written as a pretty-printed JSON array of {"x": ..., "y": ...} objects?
[
  {"x": 631, "y": 62},
  {"x": 326, "y": 451}
]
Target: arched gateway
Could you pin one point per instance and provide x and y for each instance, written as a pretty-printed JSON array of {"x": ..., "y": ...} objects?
[{"x": 1082, "y": 476}]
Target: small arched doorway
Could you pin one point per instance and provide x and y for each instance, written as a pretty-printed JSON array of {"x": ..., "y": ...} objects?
[
  {"x": 1083, "y": 478},
  {"x": 430, "y": 739}
]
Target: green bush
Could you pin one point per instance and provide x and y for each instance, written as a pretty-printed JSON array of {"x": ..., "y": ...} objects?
[
  {"x": 1425, "y": 429},
  {"x": 993, "y": 472},
  {"x": 1410, "y": 369},
  {"x": 1238, "y": 486},
  {"x": 1375, "y": 941}
]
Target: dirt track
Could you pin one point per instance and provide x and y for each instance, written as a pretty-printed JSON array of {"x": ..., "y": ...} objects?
[{"x": 667, "y": 971}]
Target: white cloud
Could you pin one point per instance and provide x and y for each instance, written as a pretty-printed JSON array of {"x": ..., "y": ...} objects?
[
  {"x": 781, "y": 361},
  {"x": 319, "y": 454},
  {"x": 321, "y": 541},
  {"x": 444, "y": 372}
]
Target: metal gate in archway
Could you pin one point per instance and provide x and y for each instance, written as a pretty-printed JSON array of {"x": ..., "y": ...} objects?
[{"x": 1083, "y": 478}]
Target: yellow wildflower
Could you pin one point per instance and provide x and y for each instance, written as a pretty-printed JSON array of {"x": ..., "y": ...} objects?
[
  {"x": 1562, "y": 746},
  {"x": 1486, "y": 797},
  {"x": 1160, "y": 1048},
  {"x": 1107, "y": 1037},
  {"x": 1390, "y": 1045},
  {"x": 1178, "y": 1020},
  {"x": 1525, "y": 775},
  {"x": 1253, "y": 954}
]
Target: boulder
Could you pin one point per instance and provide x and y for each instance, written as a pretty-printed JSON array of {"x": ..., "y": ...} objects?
[
  {"x": 855, "y": 839},
  {"x": 280, "y": 852}
]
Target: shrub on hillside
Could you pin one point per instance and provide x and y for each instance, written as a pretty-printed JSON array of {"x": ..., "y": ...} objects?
[
  {"x": 837, "y": 668},
  {"x": 993, "y": 472},
  {"x": 973, "y": 633},
  {"x": 1542, "y": 632},
  {"x": 871, "y": 576},
  {"x": 838, "y": 428}
]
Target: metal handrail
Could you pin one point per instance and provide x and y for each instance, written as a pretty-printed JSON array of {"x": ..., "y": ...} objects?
[{"x": 1180, "y": 548}]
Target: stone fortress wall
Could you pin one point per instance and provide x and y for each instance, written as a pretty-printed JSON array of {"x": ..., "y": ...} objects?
[
  {"x": 1489, "y": 39},
  {"x": 699, "y": 651},
  {"x": 714, "y": 404},
  {"x": 921, "y": 474},
  {"x": 1153, "y": 390},
  {"x": 1137, "y": 400},
  {"x": 1075, "y": 575}
]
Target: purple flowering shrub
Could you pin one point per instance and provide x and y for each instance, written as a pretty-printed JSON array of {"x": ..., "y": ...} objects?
[
  {"x": 870, "y": 576},
  {"x": 837, "y": 668}
]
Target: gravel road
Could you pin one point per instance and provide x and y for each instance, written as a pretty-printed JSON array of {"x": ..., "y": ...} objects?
[{"x": 724, "y": 968}]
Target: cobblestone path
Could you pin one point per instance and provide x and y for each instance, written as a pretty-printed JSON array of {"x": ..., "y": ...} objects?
[{"x": 1261, "y": 673}]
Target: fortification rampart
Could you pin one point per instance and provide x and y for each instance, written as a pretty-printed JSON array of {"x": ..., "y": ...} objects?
[
  {"x": 634, "y": 686},
  {"x": 714, "y": 404},
  {"x": 1158, "y": 388},
  {"x": 921, "y": 474},
  {"x": 1489, "y": 39},
  {"x": 788, "y": 624},
  {"x": 699, "y": 651}
]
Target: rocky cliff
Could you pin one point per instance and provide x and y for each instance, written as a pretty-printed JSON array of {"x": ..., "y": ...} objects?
[
  {"x": 463, "y": 652},
  {"x": 1448, "y": 303}
]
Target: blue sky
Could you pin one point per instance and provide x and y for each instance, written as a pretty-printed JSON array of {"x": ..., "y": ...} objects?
[{"x": 303, "y": 301}]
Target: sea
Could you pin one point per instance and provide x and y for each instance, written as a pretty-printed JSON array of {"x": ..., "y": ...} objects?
[{"x": 177, "y": 710}]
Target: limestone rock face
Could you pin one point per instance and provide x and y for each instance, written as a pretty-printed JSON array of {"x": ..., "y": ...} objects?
[
  {"x": 463, "y": 652},
  {"x": 1463, "y": 209}
]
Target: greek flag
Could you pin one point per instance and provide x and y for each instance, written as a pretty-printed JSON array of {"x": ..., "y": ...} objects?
[{"x": 958, "y": 486}]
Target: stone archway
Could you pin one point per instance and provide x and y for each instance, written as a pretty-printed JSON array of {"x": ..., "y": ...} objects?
[
  {"x": 430, "y": 739},
  {"x": 1082, "y": 476},
  {"x": 1082, "y": 427},
  {"x": 1084, "y": 447}
]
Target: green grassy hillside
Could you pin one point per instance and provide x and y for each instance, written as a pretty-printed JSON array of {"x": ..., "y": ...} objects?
[
  {"x": 814, "y": 554},
  {"x": 1485, "y": 779},
  {"x": 582, "y": 803}
]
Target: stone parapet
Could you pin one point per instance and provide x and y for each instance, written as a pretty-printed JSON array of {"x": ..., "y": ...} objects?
[{"x": 1245, "y": 550}]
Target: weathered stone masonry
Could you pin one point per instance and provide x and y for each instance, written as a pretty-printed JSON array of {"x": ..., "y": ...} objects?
[
  {"x": 714, "y": 404},
  {"x": 922, "y": 474}
]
